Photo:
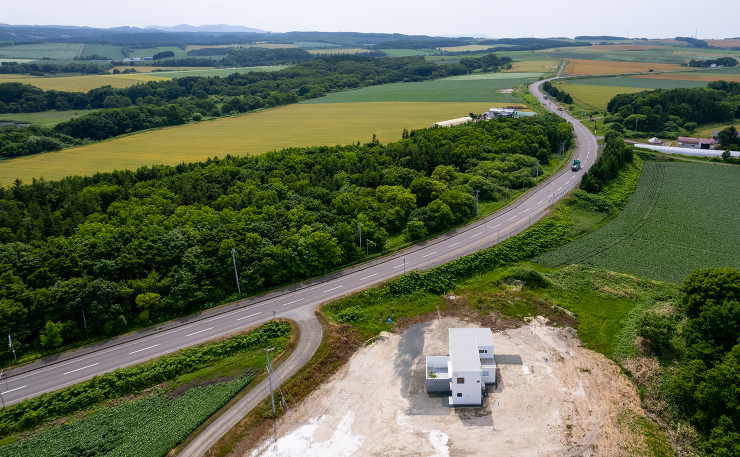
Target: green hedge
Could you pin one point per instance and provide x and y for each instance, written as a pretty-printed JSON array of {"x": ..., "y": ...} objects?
[
  {"x": 542, "y": 236},
  {"x": 33, "y": 412}
]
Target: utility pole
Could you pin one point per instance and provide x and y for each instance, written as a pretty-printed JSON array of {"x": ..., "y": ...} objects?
[
  {"x": 84, "y": 321},
  {"x": 367, "y": 247},
  {"x": 233, "y": 259},
  {"x": 507, "y": 195},
  {"x": 269, "y": 376},
  {"x": 476, "y": 202},
  {"x": 10, "y": 344},
  {"x": 359, "y": 228}
]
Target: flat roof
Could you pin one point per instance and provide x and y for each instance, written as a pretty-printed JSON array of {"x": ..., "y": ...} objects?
[{"x": 464, "y": 343}]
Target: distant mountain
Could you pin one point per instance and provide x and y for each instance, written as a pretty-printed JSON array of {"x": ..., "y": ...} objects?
[{"x": 219, "y": 28}]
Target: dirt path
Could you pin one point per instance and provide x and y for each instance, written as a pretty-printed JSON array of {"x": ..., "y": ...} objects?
[{"x": 377, "y": 404}]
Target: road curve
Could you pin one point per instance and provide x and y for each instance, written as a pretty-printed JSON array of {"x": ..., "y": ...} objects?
[{"x": 297, "y": 301}]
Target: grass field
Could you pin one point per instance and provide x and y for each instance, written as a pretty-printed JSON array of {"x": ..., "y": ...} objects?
[
  {"x": 111, "y": 52},
  {"x": 46, "y": 118},
  {"x": 728, "y": 43},
  {"x": 148, "y": 69},
  {"x": 314, "y": 44},
  {"x": 699, "y": 76},
  {"x": 251, "y": 133},
  {"x": 85, "y": 83},
  {"x": 39, "y": 51},
  {"x": 595, "y": 97},
  {"x": 678, "y": 219},
  {"x": 638, "y": 82},
  {"x": 470, "y": 47},
  {"x": 472, "y": 88},
  {"x": 222, "y": 72},
  {"x": 706, "y": 131},
  {"x": 543, "y": 66},
  {"x": 664, "y": 56},
  {"x": 408, "y": 52},
  {"x": 603, "y": 67},
  {"x": 334, "y": 51}
]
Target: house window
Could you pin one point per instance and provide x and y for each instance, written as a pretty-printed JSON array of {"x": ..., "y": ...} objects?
[
  {"x": 485, "y": 373},
  {"x": 482, "y": 351},
  {"x": 461, "y": 380},
  {"x": 459, "y": 394}
]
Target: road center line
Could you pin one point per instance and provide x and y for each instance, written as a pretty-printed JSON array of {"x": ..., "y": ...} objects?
[
  {"x": 527, "y": 209},
  {"x": 332, "y": 289},
  {"x": 200, "y": 331},
  {"x": 143, "y": 349},
  {"x": 453, "y": 244},
  {"x": 251, "y": 315},
  {"x": 429, "y": 254},
  {"x": 291, "y": 302},
  {"x": 540, "y": 201},
  {"x": 397, "y": 266},
  {"x": 80, "y": 368},
  {"x": 17, "y": 388},
  {"x": 512, "y": 217},
  {"x": 368, "y": 276},
  {"x": 495, "y": 225},
  {"x": 560, "y": 187},
  {"x": 476, "y": 234}
]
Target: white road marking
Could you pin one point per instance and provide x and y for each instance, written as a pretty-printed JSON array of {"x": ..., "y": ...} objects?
[
  {"x": 512, "y": 217},
  {"x": 527, "y": 209},
  {"x": 453, "y": 244},
  {"x": 368, "y": 276},
  {"x": 338, "y": 287},
  {"x": 540, "y": 201},
  {"x": 429, "y": 254},
  {"x": 80, "y": 368},
  {"x": 291, "y": 302},
  {"x": 143, "y": 349},
  {"x": 398, "y": 266},
  {"x": 17, "y": 388},
  {"x": 200, "y": 331},
  {"x": 568, "y": 182},
  {"x": 560, "y": 188},
  {"x": 495, "y": 225},
  {"x": 479, "y": 233},
  {"x": 247, "y": 316}
]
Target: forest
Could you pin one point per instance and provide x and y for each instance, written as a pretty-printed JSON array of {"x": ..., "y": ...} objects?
[
  {"x": 131, "y": 248},
  {"x": 559, "y": 95},
  {"x": 671, "y": 112}
]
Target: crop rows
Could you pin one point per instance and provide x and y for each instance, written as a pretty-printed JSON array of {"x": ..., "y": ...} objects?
[
  {"x": 678, "y": 219},
  {"x": 148, "y": 427}
]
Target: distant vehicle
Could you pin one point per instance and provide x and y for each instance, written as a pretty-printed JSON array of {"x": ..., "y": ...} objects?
[
  {"x": 592, "y": 120},
  {"x": 576, "y": 165},
  {"x": 545, "y": 97},
  {"x": 560, "y": 108}
]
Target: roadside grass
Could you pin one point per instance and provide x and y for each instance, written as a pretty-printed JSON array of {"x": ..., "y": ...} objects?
[
  {"x": 247, "y": 134},
  {"x": 46, "y": 118}
]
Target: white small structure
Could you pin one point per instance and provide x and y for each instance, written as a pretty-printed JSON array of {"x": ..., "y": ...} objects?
[
  {"x": 654, "y": 140},
  {"x": 451, "y": 122},
  {"x": 466, "y": 370},
  {"x": 499, "y": 112}
]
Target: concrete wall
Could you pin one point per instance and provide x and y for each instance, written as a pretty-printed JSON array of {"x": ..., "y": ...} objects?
[{"x": 468, "y": 392}]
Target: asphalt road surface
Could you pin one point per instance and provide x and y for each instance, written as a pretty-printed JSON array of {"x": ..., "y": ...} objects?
[{"x": 298, "y": 301}]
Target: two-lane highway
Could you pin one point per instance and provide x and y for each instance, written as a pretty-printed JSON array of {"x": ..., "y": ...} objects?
[{"x": 52, "y": 374}]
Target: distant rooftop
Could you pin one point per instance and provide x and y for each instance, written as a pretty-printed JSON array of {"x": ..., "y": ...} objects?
[{"x": 689, "y": 140}]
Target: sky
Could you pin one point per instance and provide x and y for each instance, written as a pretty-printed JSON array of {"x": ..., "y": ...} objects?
[{"x": 494, "y": 18}]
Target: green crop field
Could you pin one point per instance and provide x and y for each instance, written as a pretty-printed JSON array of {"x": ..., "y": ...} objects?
[
  {"x": 222, "y": 72},
  {"x": 39, "y": 51},
  {"x": 46, "y": 118},
  {"x": 471, "y": 88},
  {"x": 681, "y": 217},
  {"x": 638, "y": 83},
  {"x": 147, "y": 427},
  {"x": 408, "y": 52},
  {"x": 111, "y": 52}
]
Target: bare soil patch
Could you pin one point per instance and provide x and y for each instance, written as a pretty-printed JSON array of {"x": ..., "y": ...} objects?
[{"x": 573, "y": 402}]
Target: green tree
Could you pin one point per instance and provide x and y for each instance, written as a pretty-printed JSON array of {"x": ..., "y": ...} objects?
[
  {"x": 51, "y": 335},
  {"x": 416, "y": 229}
]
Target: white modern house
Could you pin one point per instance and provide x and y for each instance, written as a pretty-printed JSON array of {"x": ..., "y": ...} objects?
[{"x": 467, "y": 368}]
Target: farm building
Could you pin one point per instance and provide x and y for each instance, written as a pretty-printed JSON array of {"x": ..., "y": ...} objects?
[
  {"x": 467, "y": 368},
  {"x": 696, "y": 143},
  {"x": 498, "y": 112},
  {"x": 451, "y": 122}
]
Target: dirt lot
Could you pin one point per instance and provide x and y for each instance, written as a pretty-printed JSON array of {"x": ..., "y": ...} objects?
[{"x": 574, "y": 402}]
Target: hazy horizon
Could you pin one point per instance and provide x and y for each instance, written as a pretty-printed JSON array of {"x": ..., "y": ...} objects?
[{"x": 496, "y": 19}]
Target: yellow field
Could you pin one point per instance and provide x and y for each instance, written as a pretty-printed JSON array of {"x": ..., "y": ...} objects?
[
  {"x": 543, "y": 66},
  {"x": 331, "y": 51},
  {"x": 85, "y": 83},
  {"x": 595, "y": 97},
  {"x": 146, "y": 69},
  {"x": 605, "y": 67},
  {"x": 251, "y": 133}
]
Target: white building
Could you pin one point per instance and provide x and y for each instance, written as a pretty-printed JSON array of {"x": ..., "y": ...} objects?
[
  {"x": 466, "y": 369},
  {"x": 696, "y": 143},
  {"x": 498, "y": 112}
]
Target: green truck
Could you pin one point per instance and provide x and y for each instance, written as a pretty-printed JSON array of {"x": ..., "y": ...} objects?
[{"x": 576, "y": 165}]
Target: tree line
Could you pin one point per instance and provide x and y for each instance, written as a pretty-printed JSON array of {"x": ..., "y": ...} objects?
[
  {"x": 40, "y": 69},
  {"x": 130, "y": 248},
  {"x": 15, "y": 142},
  {"x": 723, "y": 61},
  {"x": 559, "y": 95},
  {"x": 616, "y": 154},
  {"x": 660, "y": 112},
  {"x": 699, "y": 342}
]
